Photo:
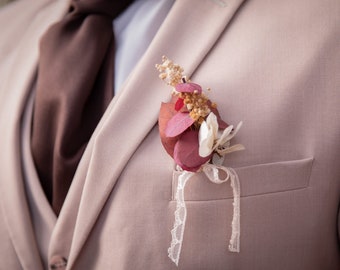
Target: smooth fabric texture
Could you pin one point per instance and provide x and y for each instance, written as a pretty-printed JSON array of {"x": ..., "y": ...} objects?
[
  {"x": 271, "y": 64},
  {"x": 43, "y": 216},
  {"x": 74, "y": 87}
]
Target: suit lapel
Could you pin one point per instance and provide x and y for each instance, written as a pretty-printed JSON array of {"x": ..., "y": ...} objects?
[
  {"x": 18, "y": 84},
  {"x": 134, "y": 112}
]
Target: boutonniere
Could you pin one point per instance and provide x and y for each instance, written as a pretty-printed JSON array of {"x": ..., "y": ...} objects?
[{"x": 195, "y": 136}]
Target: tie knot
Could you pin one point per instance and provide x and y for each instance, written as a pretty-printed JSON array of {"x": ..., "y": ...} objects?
[{"x": 111, "y": 8}]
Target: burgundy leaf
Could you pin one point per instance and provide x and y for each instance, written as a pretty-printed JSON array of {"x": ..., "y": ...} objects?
[
  {"x": 167, "y": 111},
  {"x": 186, "y": 152},
  {"x": 188, "y": 88},
  {"x": 178, "y": 124}
]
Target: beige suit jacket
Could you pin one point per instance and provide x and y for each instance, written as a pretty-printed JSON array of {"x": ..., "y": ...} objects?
[{"x": 272, "y": 64}]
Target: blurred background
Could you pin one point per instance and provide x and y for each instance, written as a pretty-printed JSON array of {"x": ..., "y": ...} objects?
[{"x": 4, "y": 2}]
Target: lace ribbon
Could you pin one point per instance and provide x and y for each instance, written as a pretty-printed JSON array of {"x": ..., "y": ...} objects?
[{"x": 212, "y": 172}]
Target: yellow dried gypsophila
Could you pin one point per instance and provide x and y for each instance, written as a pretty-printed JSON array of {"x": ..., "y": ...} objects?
[
  {"x": 197, "y": 104},
  {"x": 169, "y": 72}
]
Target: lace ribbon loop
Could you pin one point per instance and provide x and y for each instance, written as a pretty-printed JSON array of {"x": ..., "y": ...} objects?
[{"x": 213, "y": 173}]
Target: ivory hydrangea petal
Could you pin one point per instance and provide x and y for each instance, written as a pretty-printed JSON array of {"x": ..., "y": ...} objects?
[
  {"x": 228, "y": 135},
  {"x": 206, "y": 140},
  {"x": 223, "y": 137},
  {"x": 234, "y": 148},
  {"x": 207, "y": 134}
]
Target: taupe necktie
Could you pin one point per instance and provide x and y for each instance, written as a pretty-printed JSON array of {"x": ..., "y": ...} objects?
[{"x": 74, "y": 87}]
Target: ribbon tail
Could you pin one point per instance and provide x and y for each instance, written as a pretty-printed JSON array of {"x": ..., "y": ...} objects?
[
  {"x": 234, "y": 243},
  {"x": 212, "y": 172},
  {"x": 177, "y": 233}
]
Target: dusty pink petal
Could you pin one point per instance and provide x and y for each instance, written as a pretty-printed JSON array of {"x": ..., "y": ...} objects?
[
  {"x": 186, "y": 152},
  {"x": 188, "y": 88},
  {"x": 178, "y": 124}
]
